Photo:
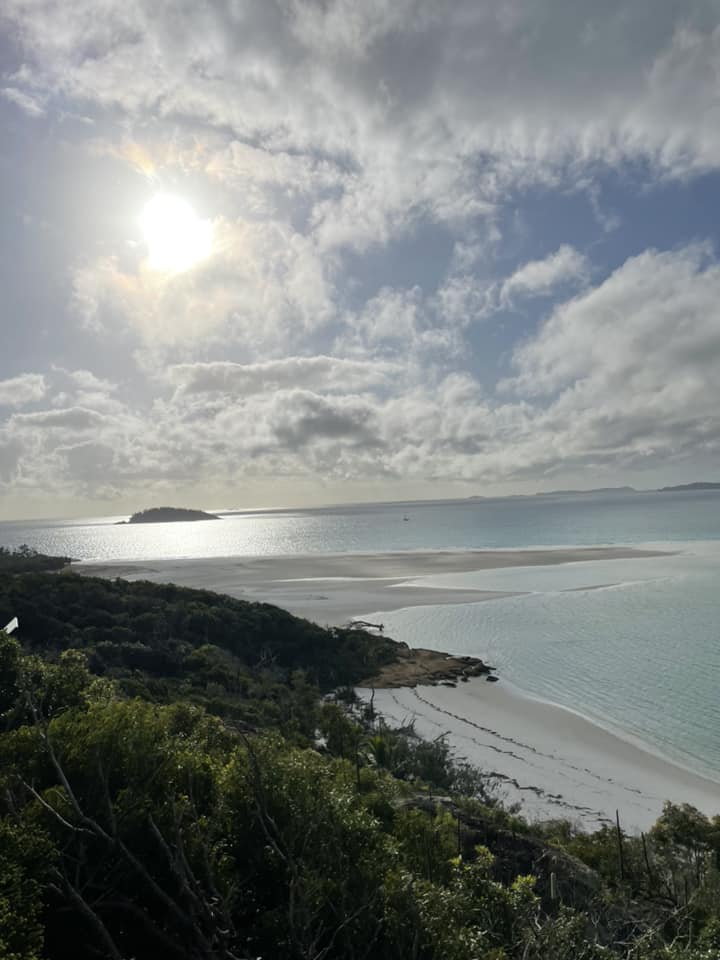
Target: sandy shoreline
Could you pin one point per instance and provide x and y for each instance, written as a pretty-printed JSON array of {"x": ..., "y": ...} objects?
[
  {"x": 555, "y": 762},
  {"x": 333, "y": 588}
]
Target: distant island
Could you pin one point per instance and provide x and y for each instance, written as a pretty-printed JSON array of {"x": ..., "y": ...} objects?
[
  {"x": 169, "y": 515},
  {"x": 691, "y": 486},
  {"x": 596, "y": 490},
  {"x": 564, "y": 493}
]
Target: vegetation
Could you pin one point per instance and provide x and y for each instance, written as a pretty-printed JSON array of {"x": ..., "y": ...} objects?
[
  {"x": 245, "y": 661},
  {"x": 26, "y": 560},
  {"x": 174, "y": 785},
  {"x": 170, "y": 515}
]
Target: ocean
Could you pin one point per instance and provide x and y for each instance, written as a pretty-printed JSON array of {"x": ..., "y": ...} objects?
[
  {"x": 632, "y": 644},
  {"x": 492, "y": 524}
]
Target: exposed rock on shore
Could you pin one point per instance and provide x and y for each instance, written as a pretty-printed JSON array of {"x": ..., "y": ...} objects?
[{"x": 415, "y": 665}]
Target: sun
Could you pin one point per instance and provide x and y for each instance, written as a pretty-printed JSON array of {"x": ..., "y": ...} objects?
[{"x": 175, "y": 236}]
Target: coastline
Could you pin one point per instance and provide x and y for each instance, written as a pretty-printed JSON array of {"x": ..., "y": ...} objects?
[{"x": 555, "y": 762}]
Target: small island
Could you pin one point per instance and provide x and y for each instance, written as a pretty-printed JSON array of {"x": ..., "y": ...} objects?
[
  {"x": 698, "y": 485},
  {"x": 169, "y": 515}
]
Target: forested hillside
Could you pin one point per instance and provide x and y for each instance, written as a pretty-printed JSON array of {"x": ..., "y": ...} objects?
[
  {"x": 164, "y": 643},
  {"x": 173, "y": 785}
]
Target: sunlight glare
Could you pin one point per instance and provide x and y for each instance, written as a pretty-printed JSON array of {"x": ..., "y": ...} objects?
[{"x": 176, "y": 237}]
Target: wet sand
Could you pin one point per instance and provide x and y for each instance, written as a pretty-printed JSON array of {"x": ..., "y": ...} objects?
[{"x": 333, "y": 588}]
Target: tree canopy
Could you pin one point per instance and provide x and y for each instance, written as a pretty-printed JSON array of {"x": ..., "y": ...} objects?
[{"x": 172, "y": 785}]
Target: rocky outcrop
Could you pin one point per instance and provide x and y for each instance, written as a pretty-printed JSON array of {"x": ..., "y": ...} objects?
[{"x": 415, "y": 666}]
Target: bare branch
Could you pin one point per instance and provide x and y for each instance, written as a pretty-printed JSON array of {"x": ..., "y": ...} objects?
[
  {"x": 91, "y": 916},
  {"x": 58, "y": 816}
]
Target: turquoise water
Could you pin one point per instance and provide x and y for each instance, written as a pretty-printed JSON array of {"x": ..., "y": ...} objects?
[
  {"x": 632, "y": 644},
  {"x": 490, "y": 524},
  {"x": 639, "y": 655}
]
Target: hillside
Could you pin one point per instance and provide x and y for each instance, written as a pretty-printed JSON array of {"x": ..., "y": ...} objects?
[
  {"x": 173, "y": 787},
  {"x": 164, "y": 641}
]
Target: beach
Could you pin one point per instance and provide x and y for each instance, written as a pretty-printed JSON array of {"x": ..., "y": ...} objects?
[
  {"x": 554, "y": 762},
  {"x": 332, "y": 589}
]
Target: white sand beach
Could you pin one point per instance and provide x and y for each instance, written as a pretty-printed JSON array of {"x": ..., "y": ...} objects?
[{"x": 554, "y": 762}]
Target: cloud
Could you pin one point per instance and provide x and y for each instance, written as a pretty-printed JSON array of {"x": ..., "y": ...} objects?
[
  {"x": 27, "y": 103},
  {"x": 263, "y": 285},
  {"x": 92, "y": 470},
  {"x": 626, "y": 373},
  {"x": 654, "y": 319},
  {"x": 363, "y": 165},
  {"x": 392, "y": 314},
  {"x": 393, "y": 112},
  {"x": 621, "y": 376},
  {"x": 74, "y": 418},
  {"x": 10, "y": 453},
  {"x": 86, "y": 380},
  {"x": 414, "y": 327},
  {"x": 18, "y": 391},
  {"x": 317, "y": 373},
  {"x": 302, "y": 417},
  {"x": 541, "y": 277}
]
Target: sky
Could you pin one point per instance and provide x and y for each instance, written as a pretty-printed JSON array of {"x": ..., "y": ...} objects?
[{"x": 292, "y": 252}]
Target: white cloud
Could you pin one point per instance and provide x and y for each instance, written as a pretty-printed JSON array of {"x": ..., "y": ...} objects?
[
  {"x": 73, "y": 418},
  {"x": 317, "y": 373},
  {"x": 264, "y": 285},
  {"x": 317, "y": 132},
  {"x": 345, "y": 29},
  {"x": 416, "y": 328},
  {"x": 22, "y": 99},
  {"x": 392, "y": 314},
  {"x": 420, "y": 125},
  {"x": 626, "y": 373},
  {"x": 10, "y": 453},
  {"x": 621, "y": 376},
  {"x": 653, "y": 321},
  {"x": 541, "y": 277},
  {"x": 87, "y": 381},
  {"x": 18, "y": 391}
]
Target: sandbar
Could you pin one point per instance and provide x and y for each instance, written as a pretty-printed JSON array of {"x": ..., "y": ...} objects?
[{"x": 333, "y": 588}]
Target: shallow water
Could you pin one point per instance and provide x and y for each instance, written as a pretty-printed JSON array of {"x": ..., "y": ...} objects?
[{"x": 641, "y": 657}]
